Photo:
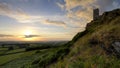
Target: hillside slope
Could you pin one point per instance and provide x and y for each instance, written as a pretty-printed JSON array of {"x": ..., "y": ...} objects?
[{"x": 96, "y": 47}]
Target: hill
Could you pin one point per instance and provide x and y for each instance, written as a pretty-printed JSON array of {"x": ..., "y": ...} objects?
[{"x": 96, "y": 47}]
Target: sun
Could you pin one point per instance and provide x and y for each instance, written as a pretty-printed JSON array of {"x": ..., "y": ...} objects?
[
  {"x": 28, "y": 35},
  {"x": 28, "y": 32}
]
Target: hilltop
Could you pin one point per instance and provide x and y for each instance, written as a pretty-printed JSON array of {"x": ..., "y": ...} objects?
[{"x": 96, "y": 47}]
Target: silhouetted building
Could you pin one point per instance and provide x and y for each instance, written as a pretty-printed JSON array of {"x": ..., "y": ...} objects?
[{"x": 95, "y": 14}]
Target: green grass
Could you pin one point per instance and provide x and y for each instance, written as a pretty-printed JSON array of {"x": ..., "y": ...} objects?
[
  {"x": 44, "y": 56},
  {"x": 16, "y": 50},
  {"x": 8, "y": 58},
  {"x": 2, "y": 52},
  {"x": 27, "y": 59},
  {"x": 39, "y": 58},
  {"x": 95, "y": 62},
  {"x": 3, "y": 48},
  {"x": 48, "y": 57}
]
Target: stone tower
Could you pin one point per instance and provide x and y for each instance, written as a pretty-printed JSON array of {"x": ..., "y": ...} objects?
[{"x": 95, "y": 14}]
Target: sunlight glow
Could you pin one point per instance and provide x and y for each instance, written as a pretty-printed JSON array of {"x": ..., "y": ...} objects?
[
  {"x": 29, "y": 39},
  {"x": 28, "y": 32}
]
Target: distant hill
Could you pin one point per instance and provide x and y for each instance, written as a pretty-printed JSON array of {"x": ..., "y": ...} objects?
[{"x": 96, "y": 47}]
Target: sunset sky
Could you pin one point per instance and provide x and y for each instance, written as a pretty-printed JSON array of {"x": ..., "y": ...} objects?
[{"x": 47, "y": 20}]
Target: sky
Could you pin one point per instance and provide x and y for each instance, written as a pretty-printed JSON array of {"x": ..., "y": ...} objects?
[{"x": 48, "y": 20}]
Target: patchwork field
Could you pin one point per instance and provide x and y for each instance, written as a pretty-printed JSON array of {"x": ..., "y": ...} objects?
[{"x": 30, "y": 57}]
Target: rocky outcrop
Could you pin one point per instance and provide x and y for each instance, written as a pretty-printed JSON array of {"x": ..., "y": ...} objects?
[
  {"x": 105, "y": 32},
  {"x": 116, "y": 45}
]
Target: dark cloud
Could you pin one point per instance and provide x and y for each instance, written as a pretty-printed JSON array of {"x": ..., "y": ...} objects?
[
  {"x": 5, "y": 35},
  {"x": 106, "y": 5},
  {"x": 57, "y": 23},
  {"x": 25, "y": 36},
  {"x": 31, "y": 36}
]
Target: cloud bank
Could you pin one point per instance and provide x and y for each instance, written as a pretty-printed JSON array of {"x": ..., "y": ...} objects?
[
  {"x": 22, "y": 36},
  {"x": 22, "y": 17},
  {"x": 31, "y": 36},
  {"x": 17, "y": 14},
  {"x": 82, "y": 10},
  {"x": 57, "y": 23},
  {"x": 5, "y": 35}
]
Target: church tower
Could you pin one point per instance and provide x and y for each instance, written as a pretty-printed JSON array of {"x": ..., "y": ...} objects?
[{"x": 95, "y": 14}]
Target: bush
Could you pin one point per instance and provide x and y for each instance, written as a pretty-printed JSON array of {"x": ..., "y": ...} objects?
[{"x": 10, "y": 48}]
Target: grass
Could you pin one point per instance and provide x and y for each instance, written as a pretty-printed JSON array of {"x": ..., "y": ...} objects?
[
  {"x": 95, "y": 62},
  {"x": 8, "y": 58},
  {"x": 16, "y": 50},
  {"x": 3, "y": 48},
  {"x": 33, "y": 59},
  {"x": 2, "y": 52},
  {"x": 39, "y": 58},
  {"x": 50, "y": 56},
  {"x": 26, "y": 60}
]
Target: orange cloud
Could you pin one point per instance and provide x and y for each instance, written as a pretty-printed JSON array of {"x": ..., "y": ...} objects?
[
  {"x": 57, "y": 23},
  {"x": 82, "y": 12}
]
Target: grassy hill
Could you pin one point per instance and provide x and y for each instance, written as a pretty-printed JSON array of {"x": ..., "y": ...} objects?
[{"x": 96, "y": 47}]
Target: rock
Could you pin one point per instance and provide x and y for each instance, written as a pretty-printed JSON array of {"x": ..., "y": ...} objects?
[{"x": 116, "y": 46}]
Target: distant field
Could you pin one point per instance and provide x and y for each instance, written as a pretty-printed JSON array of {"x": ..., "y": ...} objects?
[
  {"x": 2, "y": 52},
  {"x": 16, "y": 50},
  {"x": 8, "y": 58},
  {"x": 3, "y": 48},
  {"x": 28, "y": 59},
  {"x": 13, "y": 57}
]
